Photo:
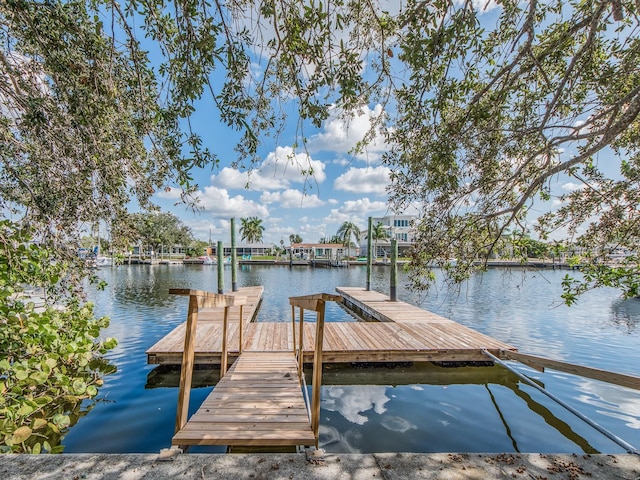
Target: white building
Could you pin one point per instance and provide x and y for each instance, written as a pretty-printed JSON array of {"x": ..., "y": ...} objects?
[
  {"x": 400, "y": 227},
  {"x": 318, "y": 251}
]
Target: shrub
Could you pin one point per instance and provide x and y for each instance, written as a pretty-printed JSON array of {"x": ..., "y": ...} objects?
[{"x": 50, "y": 356}]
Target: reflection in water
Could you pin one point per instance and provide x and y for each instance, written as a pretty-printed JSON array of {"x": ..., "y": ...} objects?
[
  {"x": 355, "y": 418},
  {"x": 626, "y": 313},
  {"x": 410, "y": 407},
  {"x": 351, "y": 402},
  {"x": 610, "y": 400},
  {"x": 397, "y": 424}
]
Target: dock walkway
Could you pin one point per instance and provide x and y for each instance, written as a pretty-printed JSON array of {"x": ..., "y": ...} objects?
[
  {"x": 400, "y": 332},
  {"x": 258, "y": 402}
]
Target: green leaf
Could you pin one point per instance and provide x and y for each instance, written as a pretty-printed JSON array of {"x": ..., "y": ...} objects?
[
  {"x": 39, "y": 423},
  {"x": 92, "y": 391},
  {"x": 24, "y": 410},
  {"x": 39, "y": 377},
  {"x": 21, "y": 434},
  {"x": 61, "y": 421},
  {"x": 79, "y": 386}
]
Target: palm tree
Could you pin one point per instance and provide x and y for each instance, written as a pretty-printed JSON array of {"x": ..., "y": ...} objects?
[
  {"x": 346, "y": 231},
  {"x": 378, "y": 232},
  {"x": 251, "y": 229}
]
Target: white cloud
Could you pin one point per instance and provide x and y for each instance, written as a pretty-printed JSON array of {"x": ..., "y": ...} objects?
[
  {"x": 217, "y": 202},
  {"x": 570, "y": 186},
  {"x": 278, "y": 171},
  {"x": 364, "y": 180},
  {"x": 341, "y": 135},
  {"x": 356, "y": 211},
  {"x": 170, "y": 193},
  {"x": 291, "y": 199}
]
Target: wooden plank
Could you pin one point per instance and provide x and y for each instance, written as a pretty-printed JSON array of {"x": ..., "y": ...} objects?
[
  {"x": 210, "y": 299},
  {"x": 534, "y": 361}
]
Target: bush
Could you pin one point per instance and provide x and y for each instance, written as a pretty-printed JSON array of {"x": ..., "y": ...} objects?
[{"x": 50, "y": 357}]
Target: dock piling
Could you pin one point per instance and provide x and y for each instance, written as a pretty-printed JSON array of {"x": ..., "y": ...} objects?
[
  {"x": 393, "y": 289},
  {"x": 234, "y": 257},
  {"x": 369, "y": 252},
  {"x": 220, "y": 268}
]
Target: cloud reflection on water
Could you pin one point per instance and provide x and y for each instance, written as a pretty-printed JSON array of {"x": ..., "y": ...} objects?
[{"x": 352, "y": 401}]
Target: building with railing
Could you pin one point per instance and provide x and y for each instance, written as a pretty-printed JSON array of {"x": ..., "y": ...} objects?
[{"x": 400, "y": 227}]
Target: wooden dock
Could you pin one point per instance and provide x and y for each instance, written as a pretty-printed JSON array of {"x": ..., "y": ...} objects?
[
  {"x": 258, "y": 402},
  {"x": 208, "y": 346},
  {"x": 400, "y": 333}
]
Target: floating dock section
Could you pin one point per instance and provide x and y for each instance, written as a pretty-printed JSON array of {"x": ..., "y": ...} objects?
[{"x": 397, "y": 332}]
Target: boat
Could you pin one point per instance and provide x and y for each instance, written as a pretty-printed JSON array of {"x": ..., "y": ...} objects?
[
  {"x": 103, "y": 261},
  {"x": 207, "y": 260}
]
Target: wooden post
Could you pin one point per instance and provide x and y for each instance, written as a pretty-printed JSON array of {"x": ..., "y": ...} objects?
[
  {"x": 223, "y": 353},
  {"x": 293, "y": 327},
  {"x": 240, "y": 325},
  {"x": 317, "y": 371},
  {"x": 393, "y": 291},
  {"x": 369, "y": 253},
  {"x": 234, "y": 257},
  {"x": 301, "y": 346},
  {"x": 220, "y": 268},
  {"x": 186, "y": 372}
]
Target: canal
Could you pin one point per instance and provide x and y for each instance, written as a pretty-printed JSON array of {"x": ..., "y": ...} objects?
[{"x": 399, "y": 408}]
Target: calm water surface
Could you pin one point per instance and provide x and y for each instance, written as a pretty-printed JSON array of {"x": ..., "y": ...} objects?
[{"x": 410, "y": 408}]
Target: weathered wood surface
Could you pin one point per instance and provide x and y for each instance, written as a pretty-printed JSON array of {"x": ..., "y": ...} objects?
[
  {"x": 408, "y": 334},
  {"x": 209, "y": 333},
  {"x": 259, "y": 402},
  {"x": 541, "y": 363}
]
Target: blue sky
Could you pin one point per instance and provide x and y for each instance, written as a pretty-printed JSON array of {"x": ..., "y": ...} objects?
[{"x": 344, "y": 187}]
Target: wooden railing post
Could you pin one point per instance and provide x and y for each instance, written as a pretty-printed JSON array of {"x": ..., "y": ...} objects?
[
  {"x": 317, "y": 371},
  {"x": 240, "y": 326},
  {"x": 316, "y": 303},
  {"x": 186, "y": 372},
  {"x": 223, "y": 353},
  {"x": 293, "y": 327},
  {"x": 301, "y": 346}
]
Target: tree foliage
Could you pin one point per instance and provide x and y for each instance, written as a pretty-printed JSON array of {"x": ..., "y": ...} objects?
[
  {"x": 378, "y": 232},
  {"x": 486, "y": 107},
  {"x": 347, "y": 232},
  {"x": 50, "y": 357},
  {"x": 251, "y": 229},
  {"x": 295, "y": 238},
  {"x": 156, "y": 229},
  {"x": 495, "y": 115}
]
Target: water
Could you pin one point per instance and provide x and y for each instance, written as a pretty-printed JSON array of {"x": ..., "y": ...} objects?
[{"x": 409, "y": 408}]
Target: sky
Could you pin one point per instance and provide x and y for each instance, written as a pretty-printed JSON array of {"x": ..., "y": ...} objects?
[{"x": 344, "y": 188}]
